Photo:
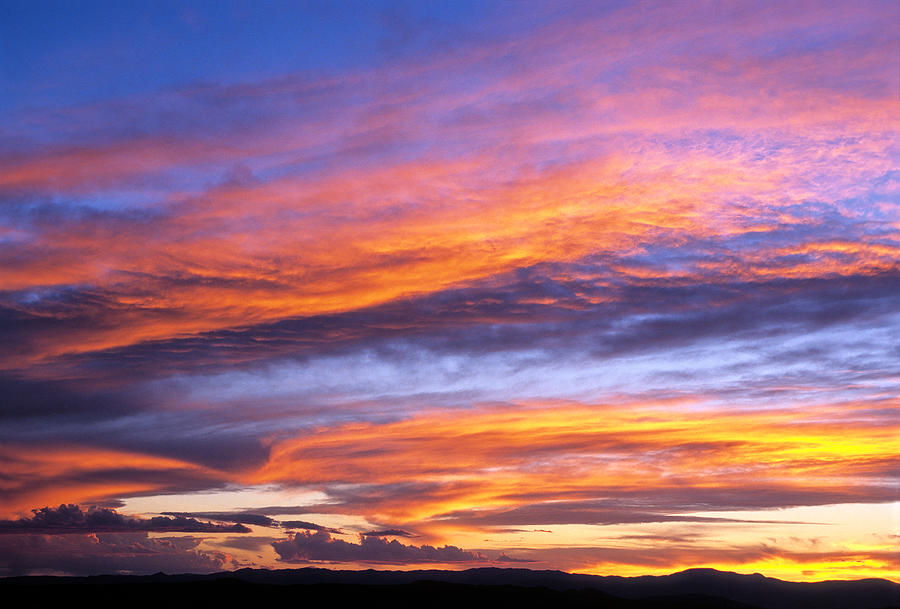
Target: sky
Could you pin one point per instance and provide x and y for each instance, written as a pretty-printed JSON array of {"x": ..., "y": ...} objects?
[{"x": 604, "y": 287}]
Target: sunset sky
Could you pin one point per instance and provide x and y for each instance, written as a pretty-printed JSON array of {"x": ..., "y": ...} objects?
[{"x": 605, "y": 287}]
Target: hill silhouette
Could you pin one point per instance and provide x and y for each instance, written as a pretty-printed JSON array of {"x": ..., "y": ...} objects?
[{"x": 486, "y": 587}]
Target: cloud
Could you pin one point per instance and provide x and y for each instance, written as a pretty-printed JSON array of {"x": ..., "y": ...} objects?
[
  {"x": 70, "y": 518},
  {"x": 252, "y": 543},
  {"x": 563, "y": 512},
  {"x": 43, "y": 472},
  {"x": 238, "y": 517},
  {"x": 322, "y": 547},
  {"x": 388, "y": 533},
  {"x": 47, "y": 398},
  {"x": 547, "y": 463},
  {"x": 546, "y": 306},
  {"x": 664, "y": 556},
  {"x": 623, "y": 182},
  {"x": 101, "y": 553},
  {"x": 612, "y": 268},
  {"x": 512, "y": 559},
  {"x": 310, "y": 526}
]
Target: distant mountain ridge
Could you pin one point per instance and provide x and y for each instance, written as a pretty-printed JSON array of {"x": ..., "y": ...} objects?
[{"x": 691, "y": 588}]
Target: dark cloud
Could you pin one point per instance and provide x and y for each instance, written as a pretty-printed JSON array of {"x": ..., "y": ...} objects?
[
  {"x": 321, "y": 546},
  {"x": 505, "y": 558},
  {"x": 563, "y": 512},
  {"x": 100, "y": 553},
  {"x": 309, "y": 526},
  {"x": 238, "y": 517},
  {"x": 63, "y": 401},
  {"x": 277, "y": 510},
  {"x": 70, "y": 518},
  {"x": 388, "y": 533},
  {"x": 124, "y": 424},
  {"x": 543, "y": 306}
]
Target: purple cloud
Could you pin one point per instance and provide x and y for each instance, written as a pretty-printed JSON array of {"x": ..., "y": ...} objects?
[
  {"x": 70, "y": 518},
  {"x": 388, "y": 533},
  {"x": 310, "y": 526},
  {"x": 321, "y": 546},
  {"x": 100, "y": 553}
]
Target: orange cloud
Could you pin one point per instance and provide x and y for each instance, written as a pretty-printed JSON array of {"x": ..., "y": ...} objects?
[
  {"x": 253, "y": 254},
  {"x": 54, "y": 475},
  {"x": 501, "y": 459}
]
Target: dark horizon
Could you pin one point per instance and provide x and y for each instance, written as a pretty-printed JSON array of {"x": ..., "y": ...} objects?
[{"x": 695, "y": 588}]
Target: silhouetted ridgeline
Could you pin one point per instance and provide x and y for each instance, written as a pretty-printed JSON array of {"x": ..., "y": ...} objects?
[{"x": 695, "y": 588}]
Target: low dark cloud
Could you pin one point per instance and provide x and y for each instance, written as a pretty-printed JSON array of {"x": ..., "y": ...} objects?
[
  {"x": 505, "y": 558},
  {"x": 309, "y": 526},
  {"x": 322, "y": 547},
  {"x": 238, "y": 517},
  {"x": 70, "y": 518},
  {"x": 388, "y": 533},
  {"x": 100, "y": 553},
  {"x": 277, "y": 510},
  {"x": 563, "y": 512}
]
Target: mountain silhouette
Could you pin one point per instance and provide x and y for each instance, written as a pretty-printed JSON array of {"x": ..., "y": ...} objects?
[{"x": 485, "y": 587}]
